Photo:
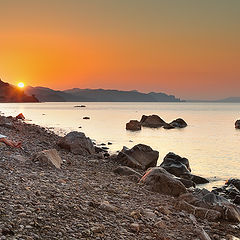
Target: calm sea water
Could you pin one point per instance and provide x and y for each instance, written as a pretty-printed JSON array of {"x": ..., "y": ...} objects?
[{"x": 210, "y": 142}]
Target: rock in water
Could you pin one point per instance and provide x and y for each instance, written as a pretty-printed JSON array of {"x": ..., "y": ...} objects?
[
  {"x": 133, "y": 125},
  {"x": 237, "y": 124},
  {"x": 140, "y": 156},
  {"x": 175, "y": 164},
  {"x": 178, "y": 123},
  {"x": 48, "y": 157},
  {"x": 180, "y": 167},
  {"x": 159, "y": 180},
  {"x": 152, "y": 121},
  {"x": 77, "y": 143}
]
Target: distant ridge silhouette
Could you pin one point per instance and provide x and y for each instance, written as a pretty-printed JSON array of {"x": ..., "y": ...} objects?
[{"x": 98, "y": 95}]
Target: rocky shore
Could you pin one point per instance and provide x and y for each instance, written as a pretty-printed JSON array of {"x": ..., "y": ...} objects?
[{"x": 88, "y": 198}]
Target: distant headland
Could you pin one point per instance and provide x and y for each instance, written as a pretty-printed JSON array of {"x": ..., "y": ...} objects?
[
  {"x": 10, "y": 93},
  {"x": 97, "y": 95}
]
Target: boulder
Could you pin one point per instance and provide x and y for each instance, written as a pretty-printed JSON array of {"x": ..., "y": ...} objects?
[
  {"x": 159, "y": 180},
  {"x": 133, "y": 125},
  {"x": 126, "y": 171},
  {"x": 178, "y": 123},
  {"x": 152, "y": 121},
  {"x": 175, "y": 164},
  {"x": 140, "y": 156},
  {"x": 20, "y": 116},
  {"x": 77, "y": 143},
  {"x": 48, "y": 157},
  {"x": 179, "y": 167},
  {"x": 237, "y": 124}
]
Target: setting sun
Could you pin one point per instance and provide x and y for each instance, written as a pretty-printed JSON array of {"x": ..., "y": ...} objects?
[{"x": 21, "y": 84}]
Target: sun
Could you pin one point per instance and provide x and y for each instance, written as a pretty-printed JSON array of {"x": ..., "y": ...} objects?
[{"x": 21, "y": 85}]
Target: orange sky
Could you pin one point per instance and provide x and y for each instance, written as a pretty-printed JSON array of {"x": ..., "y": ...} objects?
[{"x": 187, "y": 48}]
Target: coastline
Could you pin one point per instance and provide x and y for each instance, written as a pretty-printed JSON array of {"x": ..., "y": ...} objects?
[{"x": 84, "y": 199}]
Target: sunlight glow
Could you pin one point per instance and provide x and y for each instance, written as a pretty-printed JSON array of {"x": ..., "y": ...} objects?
[{"x": 21, "y": 85}]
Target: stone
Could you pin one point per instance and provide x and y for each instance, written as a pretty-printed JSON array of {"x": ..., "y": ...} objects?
[
  {"x": 203, "y": 213},
  {"x": 20, "y": 116},
  {"x": 48, "y": 157},
  {"x": 198, "y": 180},
  {"x": 175, "y": 164},
  {"x": 180, "y": 167},
  {"x": 133, "y": 125},
  {"x": 178, "y": 123},
  {"x": 126, "y": 171},
  {"x": 77, "y": 143},
  {"x": 152, "y": 121},
  {"x": 237, "y": 124},
  {"x": 135, "y": 227},
  {"x": 136, "y": 214},
  {"x": 140, "y": 156},
  {"x": 159, "y": 180},
  {"x": 105, "y": 205}
]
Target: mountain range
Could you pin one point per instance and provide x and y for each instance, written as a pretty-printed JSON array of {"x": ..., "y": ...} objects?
[
  {"x": 11, "y": 93},
  {"x": 97, "y": 95}
]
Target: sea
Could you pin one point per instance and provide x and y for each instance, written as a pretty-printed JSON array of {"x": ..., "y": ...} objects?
[{"x": 210, "y": 141}]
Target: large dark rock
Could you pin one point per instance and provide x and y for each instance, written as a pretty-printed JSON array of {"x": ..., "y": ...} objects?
[
  {"x": 152, "y": 121},
  {"x": 180, "y": 167},
  {"x": 133, "y": 125},
  {"x": 77, "y": 143},
  {"x": 140, "y": 156},
  {"x": 175, "y": 164},
  {"x": 237, "y": 124},
  {"x": 178, "y": 123},
  {"x": 159, "y": 180}
]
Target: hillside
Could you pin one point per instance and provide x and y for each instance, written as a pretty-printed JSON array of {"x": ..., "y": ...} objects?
[{"x": 10, "y": 93}]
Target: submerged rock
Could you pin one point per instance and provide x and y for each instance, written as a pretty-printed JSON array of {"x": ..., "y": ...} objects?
[
  {"x": 180, "y": 167},
  {"x": 159, "y": 180},
  {"x": 77, "y": 143},
  {"x": 237, "y": 124},
  {"x": 133, "y": 125},
  {"x": 140, "y": 156},
  {"x": 178, "y": 123},
  {"x": 152, "y": 121}
]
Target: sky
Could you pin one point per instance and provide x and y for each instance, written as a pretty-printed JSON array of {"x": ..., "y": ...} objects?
[{"x": 188, "y": 48}]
